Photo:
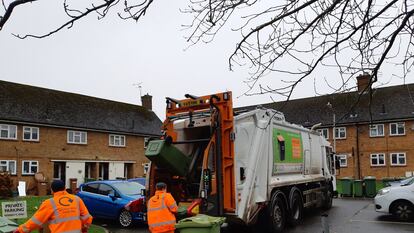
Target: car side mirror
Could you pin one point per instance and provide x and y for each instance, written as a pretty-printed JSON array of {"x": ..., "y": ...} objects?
[
  {"x": 112, "y": 196},
  {"x": 143, "y": 192}
]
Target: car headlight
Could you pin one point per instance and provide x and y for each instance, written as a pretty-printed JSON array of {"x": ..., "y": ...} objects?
[{"x": 383, "y": 191}]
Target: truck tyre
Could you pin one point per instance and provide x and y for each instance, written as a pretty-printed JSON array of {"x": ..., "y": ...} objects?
[
  {"x": 328, "y": 198},
  {"x": 295, "y": 206},
  {"x": 278, "y": 212}
]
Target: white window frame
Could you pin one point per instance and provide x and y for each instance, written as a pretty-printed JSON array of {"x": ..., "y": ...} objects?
[
  {"x": 339, "y": 132},
  {"x": 398, "y": 154},
  {"x": 377, "y": 156},
  {"x": 8, "y": 166},
  {"x": 375, "y": 127},
  {"x": 30, "y": 166},
  {"x": 2, "y": 126},
  {"x": 344, "y": 157},
  {"x": 396, "y": 125},
  {"x": 77, "y": 134},
  {"x": 322, "y": 132},
  {"x": 30, "y": 130},
  {"x": 117, "y": 137}
]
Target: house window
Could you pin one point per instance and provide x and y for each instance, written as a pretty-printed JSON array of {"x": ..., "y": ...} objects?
[
  {"x": 398, "y": 159},
  {"x": 8, "y": 166},
  {"x": 146, "y": 141},
  {"x": 397, "y": 128},
  {"x": 324, "y": 133},
  {"x": 8, "y": 131},
  {"x": 30, "y": 167},
  {"x": 340, "y": 133},
  {"x": 30, "y": 133},
  {"x": 77, "y": 137},
  {"x": 343, "y": 160},
  {"x": 376, "y": 130},
  {"x": 116, "y": 140},
  {"x": 378, "y": 159}
]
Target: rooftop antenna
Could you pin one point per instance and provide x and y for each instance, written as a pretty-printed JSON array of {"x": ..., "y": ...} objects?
[{"x": 139, "y": 86}]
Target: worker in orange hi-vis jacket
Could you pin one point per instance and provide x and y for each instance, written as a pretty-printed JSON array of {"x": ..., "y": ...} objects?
[
  {"x": 161, "y": 210},
  {"x": 64, "y": 212}
]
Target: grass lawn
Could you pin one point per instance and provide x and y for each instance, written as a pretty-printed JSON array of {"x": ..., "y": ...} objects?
[{"x": 33, "y": 203}]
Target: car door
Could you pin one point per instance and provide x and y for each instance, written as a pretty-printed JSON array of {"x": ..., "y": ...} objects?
[
  {"x": 108, "y": 207},
  {"x": 88, "y": 194}
]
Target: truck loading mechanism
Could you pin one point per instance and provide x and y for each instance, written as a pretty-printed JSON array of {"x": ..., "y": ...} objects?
[{"x": 248, "y": 166}]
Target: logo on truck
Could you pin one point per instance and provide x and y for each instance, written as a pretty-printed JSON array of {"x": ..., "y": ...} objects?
[{"x": 287, "y": 152}]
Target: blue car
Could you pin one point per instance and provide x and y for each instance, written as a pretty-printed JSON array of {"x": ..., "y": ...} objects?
[{"x": 114, "y": 199}]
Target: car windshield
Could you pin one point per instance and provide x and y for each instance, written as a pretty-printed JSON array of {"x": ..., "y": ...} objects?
[
  {"x": 128, "y": 188},
  {"x": 408, "y": 181}
]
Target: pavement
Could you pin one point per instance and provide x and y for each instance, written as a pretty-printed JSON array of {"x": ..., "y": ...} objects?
[{"x": 346, "y": 216}]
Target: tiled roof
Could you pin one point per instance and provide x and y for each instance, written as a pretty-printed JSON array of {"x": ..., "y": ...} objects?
[
  {"x": 388, "y": 104},
  {"x": 31, "y": 104}
]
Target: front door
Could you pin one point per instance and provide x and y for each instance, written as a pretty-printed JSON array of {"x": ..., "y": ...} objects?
[{"x": 59, "y": 171}]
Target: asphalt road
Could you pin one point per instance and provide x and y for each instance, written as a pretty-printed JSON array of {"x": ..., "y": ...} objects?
[{"x": 346, "y": 216}]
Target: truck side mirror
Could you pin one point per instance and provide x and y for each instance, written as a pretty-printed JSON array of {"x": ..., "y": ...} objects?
[{"x": 337, "y": 164}]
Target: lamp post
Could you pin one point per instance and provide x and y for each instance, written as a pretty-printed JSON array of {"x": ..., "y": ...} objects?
[{"x": 333, "y": 125}]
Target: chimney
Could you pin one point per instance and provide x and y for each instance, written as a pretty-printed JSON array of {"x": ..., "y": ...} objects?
[
  {"x": 363, "y": 82},
  {"x": 146, "y": 101}
]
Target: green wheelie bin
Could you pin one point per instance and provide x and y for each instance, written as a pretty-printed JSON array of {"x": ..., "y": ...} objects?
[
  {"x": 358, "y": 188},
  {"x": 370, "y": 186},
  {"x": 200, "y": 224},
  {"x": 346, "y": 186},
  {"x": 7, "y": 226}
]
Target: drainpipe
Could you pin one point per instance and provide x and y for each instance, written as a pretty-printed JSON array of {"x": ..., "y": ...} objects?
[{"x": 357, "y": 153}]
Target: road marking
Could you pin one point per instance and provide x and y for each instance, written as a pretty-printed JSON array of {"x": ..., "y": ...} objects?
[{"x": 370, "y": 221}]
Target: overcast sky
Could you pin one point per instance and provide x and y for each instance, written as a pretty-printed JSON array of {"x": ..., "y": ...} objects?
[{"x": 105, "y": 58}]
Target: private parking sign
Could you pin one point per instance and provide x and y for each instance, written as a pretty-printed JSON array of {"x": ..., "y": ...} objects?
[{"x": 14, "y": 210}]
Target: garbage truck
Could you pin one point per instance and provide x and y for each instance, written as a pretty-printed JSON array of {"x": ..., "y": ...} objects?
[{"x": 253, "y": 167}]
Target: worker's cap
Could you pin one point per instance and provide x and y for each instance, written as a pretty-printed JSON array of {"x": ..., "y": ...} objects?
[{"x": 58, "y": 185}]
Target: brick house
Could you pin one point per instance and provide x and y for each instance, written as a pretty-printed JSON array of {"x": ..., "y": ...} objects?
[
  {"x": 66, "y": 135},
  {"x": 374, "y": 139}
]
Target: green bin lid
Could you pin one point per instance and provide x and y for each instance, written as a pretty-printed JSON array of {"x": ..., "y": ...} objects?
[
  {"x": 346, "y": 178},
  {"x": 199, "y": 221},
  {"x": 7, "y": 225}
]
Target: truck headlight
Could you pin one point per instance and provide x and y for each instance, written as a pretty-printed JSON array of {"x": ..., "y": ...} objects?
[{"x": 383, "y": 191}]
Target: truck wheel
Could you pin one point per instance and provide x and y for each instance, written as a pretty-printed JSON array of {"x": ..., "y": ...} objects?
[
  {"x": 403, "y": 210},
  {"x": 278, "y": 212},
  {"x": 327, "y": 198},
  {"x": 296, "y": 207}
]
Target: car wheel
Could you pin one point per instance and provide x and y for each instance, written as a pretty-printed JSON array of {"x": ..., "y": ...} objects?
[
  {"x": 403, "y": 210},
  {"x": 277, "y": 213},
  {"x": 125, "y": 218}
]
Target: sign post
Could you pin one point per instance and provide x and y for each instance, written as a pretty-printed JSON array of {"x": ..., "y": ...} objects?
[{"x": 14, "y": 210}]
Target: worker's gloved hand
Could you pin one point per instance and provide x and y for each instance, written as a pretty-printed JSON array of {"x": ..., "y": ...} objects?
[{"x": 85, "y": 228}]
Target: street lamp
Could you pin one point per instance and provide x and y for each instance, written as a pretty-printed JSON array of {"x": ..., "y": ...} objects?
[{"x": 333, "y": 124}]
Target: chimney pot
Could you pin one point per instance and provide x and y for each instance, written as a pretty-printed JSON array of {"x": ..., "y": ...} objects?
[
  {"x": 146, "y": 101},
  {"x": 363, "y": 82}
]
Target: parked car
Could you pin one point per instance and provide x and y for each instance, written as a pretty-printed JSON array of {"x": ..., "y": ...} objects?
[
  {"x": 114, "y": 199},
  {"x": 397, "y": 200},
  {"x": 400, "y": 182},
  {"x": 139, "y": 180}
]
